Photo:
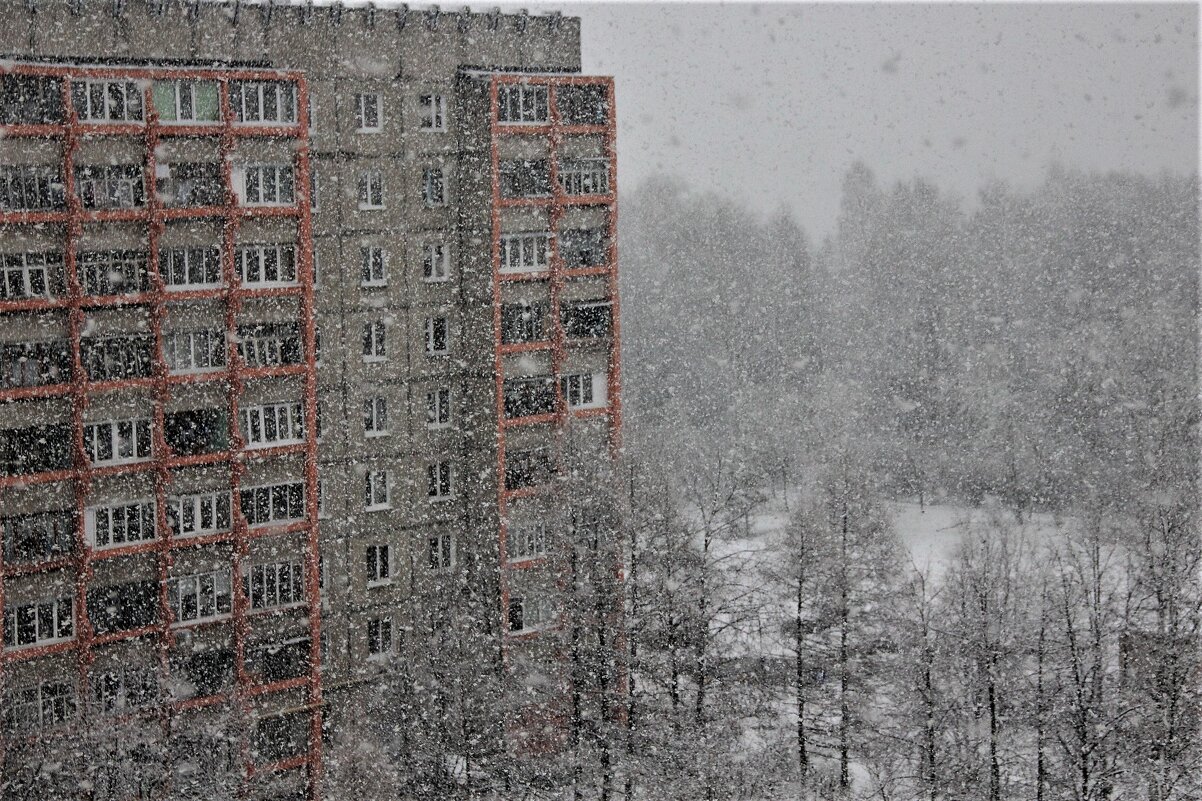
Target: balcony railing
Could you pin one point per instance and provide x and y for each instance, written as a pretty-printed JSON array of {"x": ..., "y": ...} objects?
[{"x": 584, "y": 176}]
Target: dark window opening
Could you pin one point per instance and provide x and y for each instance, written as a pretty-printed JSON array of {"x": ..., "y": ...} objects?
[
  {"x": 586, "y": 247},
  {"x": 526, "y": 178},
  {"x": 279, "y": 662},
  {"x": 529, "y": 396},
  {"x": 30, "y": 100},
  {"x": 280, "y": 737},
  {"x": 522, "y": 322},
  {"x": 192, "y": 184},
  {"x": 210, "y": 672},
  {"x": 44, "y": 535},
  {"x": 34, "y": 364},
  {"x": 114, "y": 272},
  {"x": 516, "y": 622},
  {"x": 528, "y": 469},
  {"x": 197, "y": 431},
  {"x": 587, "y": 320},
  {"x": 122, "y": 607},
  {"x": 583, "y": 105},
  {"x": 35, "y": 449},
  {"x": 115, "y": 358}
]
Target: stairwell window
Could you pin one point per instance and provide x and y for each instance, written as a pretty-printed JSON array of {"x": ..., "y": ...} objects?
[
  {"x": 199, "y": 597},
  {"x": 438, "y": 408},
  {"x": 374, "y": 266},
  {"x": 259, "y": 102},
  {"x": 433, "y": 112},
  {"x": 117, "y": 441},
  {"x": 379, "y": 637},
  {"x": 374, "y": 341},
  {"x": 266, "y": 264},
  {"x": 371, "y": 190},
  {"x": 375, "y": 490},
  {"x": 441, "y": 484},
  {"x": 434, "y": 187},
  {"x": 266, "y": 184},
  {"x": 38, "y": 623},
  {"x": 270, "y": 424},
  {"x": 120, "y": 524},
  {"x": 522, "y": 104},
  {"x": 107, "y": 101},
  {"x": 375, "y": 417},
  {"x": 199, "y": 514},
  {"x": 441, "y": 551},
  {"x": 436, "y": 264},
  {"x": 379, "y": 565},
  {"x": 367, "y": 113},
  {"x": 436, "y": 336}
]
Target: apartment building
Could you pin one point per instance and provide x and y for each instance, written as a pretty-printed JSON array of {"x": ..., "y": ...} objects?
[{"x": 310, "y": 378}]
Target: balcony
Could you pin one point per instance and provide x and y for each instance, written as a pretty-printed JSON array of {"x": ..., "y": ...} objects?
[
  {"x": 584, "y": 247},
  {"x": 195, "y": 184},
  {"x": 523, "y": 322},
  {"x": 123, "y": 607},
  {"x": 36, "y": 449},
  {"x": 584, "y": 176},
  {"x": 270, "y": 344},
  {"x": 113, "y": 272},
  {"x": 31, "y": 188},
  {"x": 110, "y": 186},
  {"x": 528, "y": 468},
  {"x": 38, "y": 537},
  {"x": 117, "y": 358},
  {"x": 30, "y": 100},
  {"x": 583, "y": 105},
  {"x": 587, "y": 320},
  {"x": 279, "y": 662},
  {"x": 197, "y": 431},
  {"x": 34, "y": 364},
  {"x": 528, "y": 397},
  {"x": 525, "y": 178}
]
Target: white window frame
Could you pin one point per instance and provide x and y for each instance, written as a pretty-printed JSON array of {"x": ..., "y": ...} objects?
[
  {"x": 362, "y": 109},
  {"x": 434, "y": 178},
  {"x": 57, "y": 623},
  {"x": 126, "y": 88},
  {"x": 538, "y": 613},
  {"x": 373, "y": 266},
  {"x": 532, "y": 538},
  {"x": 442, "y": 554},
  {"x": 270, "y": 596},
  {"x": 250, "y": 96},
  {"x": 436, "y": 263},
  {"x": 179, "y": 119},
  {"x": 526, "y": 252},
  {"x": 433, "y": 112},
  {"x": 94, "y": 434},
  {"x": 38, "y": 705},
  {"x": 438, "y": 405},
  {"x": 375, "y": 416},
  {"x": 584, "y": 390},
  {"x": 432, "y": 324},
  {"x": 101, "y": 522},
  {"x": 207, "y": 343},
  {"x": 267, "y": 348},
  {"x": 384, "y": 635},
  {"x": 199, "y": 507},
  {"x": 168, "y": 266},
  {"x": 376, "y": 491},
  {"x": 286, "y": 417},
  {"x": 284, "y": 487},
  {"x": 371, "y": 189},
  {"x": 20, "y": 269},
  {"x": 520, "y": 104},
  {"x": 438, "y": 474},
  {"x": 584, "y": 177},
  {"x": 253, "y": 259},
  {"x": 376, "y": 332},
  {"x": 221, "y": 588},
  {"x": 282, "y": 176},
  {"x": 379, "y": 569}
]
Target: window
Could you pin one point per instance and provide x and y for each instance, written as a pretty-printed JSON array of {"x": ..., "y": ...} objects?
[
  {"x": 30, "y": 188},
  {"x": 25, "y": 275},
  {"x": 267, "y": 185},
  {"x": 433, "y": 112},
  {"x": 584, "y": 176},
  {"x": 375, "y": 417},
  {"x": 36, "y": 449},
  {"x": 379, "y": 636},
  {"x": 194, "y": 351},
  {"x": 440, "y": 485},
  {"x": 30, "y": 100},
  {"x": 367, "y": 113},
  {"x": 106, "y": 101},
  {"x": 266, "y": 264},
  {"x": 434, "y": 188},
  {"x": 201, "y": 513},
  {"x": 374, "y": 266},
  {"x": 275, "y": 503},
  {"x": 120, "y": 524},
  {"x": 583, "y": 247},
  {"x": 38, "y": 536},
  {"x": 588, "y": 319},
  {"x": 190, "y": 268},
  {"x": 48, "y": 703},
  {"x": 191, "y": 432},
  {"x": 270, "y": 344},
  {"x": 436, "y": 336},
  {"x": 114, "y": 272},
  {"x": 191, "y": 184},
  {"x": 49, "y": 620},
  {"x": 263, "y": 101},
  {"x": 313, "y": 203},
  {"x": 528, "y": 396},
  {"x": 268, "y": 424},
  {"x": 322, "y": 510},
  {"x": 584, "y": 390},
  {"x": 438, "y": 408},
  {"x": 371, "y": 190},
  {"x": 112, "y": 358},
  {"x": 522, "y": 322},
  {"x": 203, "y": 596},
  {"x": 528, "y": 468},
  {"x": 124, "y": 688},
  {"x": 525, "y": 252},
  {"x": 379, "y": 570},
  {"x": 525, "y": 178},
  {"x": 374, "y": 342},
  {"x": 123, "y": 607},
  {"x": 526, "y": 541},
  {"x": 583, "y": 105},
  {"x": 117, "y": 441},
  {"x": 441, "y": 552},
  {"x": 375, "y": 490},
  {"x": 436, "y": 265},
  {"x": 110, "y": 186},
  {"x": 274, "y": 584},
  {"x": 182, "y": 102},
  {"x": 34, "y": 364},
  {"x": 522, "y": 103},
  {"x": 526, "y": 614}
]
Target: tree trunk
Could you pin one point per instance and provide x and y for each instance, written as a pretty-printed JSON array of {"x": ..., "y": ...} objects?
[
  {"x": 803, "y": 757},
  {"x": 844, "y": 707}
]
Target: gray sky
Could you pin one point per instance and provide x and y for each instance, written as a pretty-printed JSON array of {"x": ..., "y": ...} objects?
[{"x": 770, "y": 103}]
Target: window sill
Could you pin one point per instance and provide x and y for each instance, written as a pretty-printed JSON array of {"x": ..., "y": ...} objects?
[
  {"x": 378, "y": 129},
  {"x": 376, "y": 434},
  {"x": 38, "y": 644},
  {"x": 437, "y": 354},
  {"x": 365, "y": 207},
  {"x": 382, "y": 508},
  {"x": 374, "y": 359},
  {"x": 445, "y": 279},
  {"x": 440, "y": 498},
  {"x": 371, "y": 585},
  {"x": 373, "y": 284}
]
